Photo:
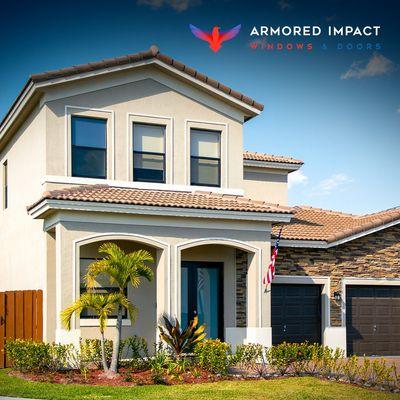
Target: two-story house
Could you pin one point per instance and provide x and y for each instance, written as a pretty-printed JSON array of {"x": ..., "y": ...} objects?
[{"x": 147, "y": 152}]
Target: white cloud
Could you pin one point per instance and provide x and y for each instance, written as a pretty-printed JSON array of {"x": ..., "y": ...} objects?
[
  {"x": 375, "y": 66},
  {"x": 284, "y": 5},
  {"x": 177, "y": 5},
  {"x": 296, "y": 178},
  {"x": 336, "y": 182}
]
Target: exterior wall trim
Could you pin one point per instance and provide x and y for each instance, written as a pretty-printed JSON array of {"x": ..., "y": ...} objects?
[
  {"x": 227, "y": 242},
  {"x": 325, "y": 282},
  {"x": 169, "y": 143},
  {"x": 224, "y": 149},
  {"x": 67, "y": 153},
  {"x": 76, "y": 244}
]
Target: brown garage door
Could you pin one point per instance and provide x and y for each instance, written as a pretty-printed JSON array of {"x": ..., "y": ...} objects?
[
  {"x": 296, "y": 313},
  {"x": 373, "y": 320}
]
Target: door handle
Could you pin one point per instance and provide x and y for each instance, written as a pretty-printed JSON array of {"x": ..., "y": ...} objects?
[
  {"x": 284, "y": 328},
  {"x": 2, "y": 320},
  {"x": 375, "y": 328}
]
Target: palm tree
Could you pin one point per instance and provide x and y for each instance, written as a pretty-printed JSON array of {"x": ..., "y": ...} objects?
[
  {"x": 103, "y": 305},
  {"x": 121, "y": 268}
]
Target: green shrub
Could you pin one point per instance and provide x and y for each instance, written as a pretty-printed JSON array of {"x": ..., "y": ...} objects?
[
  {"x": 213, "y": 356},
  {"x": 90, "y": 351},
  {"x": 281, "y": 357},
  {"x": 158, "y": 363},
  {"x": 30, "y": 356},
  {"x": 137, "y": 351},
  {"x": 250, "y": 357}
]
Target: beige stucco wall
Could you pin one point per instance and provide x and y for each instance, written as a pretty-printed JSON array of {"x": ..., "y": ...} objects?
[
  {"x": 153, "y": 97},
  {"x": 163, "y": 295},
  {"x": 266, "y": 184},
  {"x": 33, "y": 259},
  {"x": 22, "y": 241}
]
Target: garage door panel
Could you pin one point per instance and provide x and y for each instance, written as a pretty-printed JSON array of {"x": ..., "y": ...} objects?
[
  {"x": 373, "y": 320},
  {"x": 296, "y": 313}
]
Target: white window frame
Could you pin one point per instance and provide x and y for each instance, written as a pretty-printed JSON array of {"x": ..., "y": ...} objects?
[
  {"x": 107, "y": 115},
  {"x": 209, "y": 126},
  {"x": 149, "y": 119}
]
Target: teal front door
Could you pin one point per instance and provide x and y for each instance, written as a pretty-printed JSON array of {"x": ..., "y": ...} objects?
[{"x": 202, "y": 295}]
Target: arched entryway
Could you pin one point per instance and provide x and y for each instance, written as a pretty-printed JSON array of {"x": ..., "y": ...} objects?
[
  {"x": 147, "y": 298},
  {"x": 213, "y": 283}
]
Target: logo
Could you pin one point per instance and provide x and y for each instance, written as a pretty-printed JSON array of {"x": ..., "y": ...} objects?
[{"x": 215, "y": 38}]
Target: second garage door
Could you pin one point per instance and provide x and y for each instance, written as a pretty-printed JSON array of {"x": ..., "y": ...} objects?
[
  {"x": 373, "y": 320},
  {"x": 296, "y": 313}
]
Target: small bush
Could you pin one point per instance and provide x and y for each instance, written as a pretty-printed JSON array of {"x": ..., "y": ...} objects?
[
  {"x": 251, "y": 357},
  {"x": 30, "y": 356},
  {"x": 281, "y": 357},
  {"x": 137, "y": 351},
  {"x": 90, "y": 351},
  {"x": 213, "y": 356},
  {"x": 158, "y": 363}
]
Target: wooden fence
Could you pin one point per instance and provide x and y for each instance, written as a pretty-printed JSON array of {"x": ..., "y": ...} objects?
[{"x": 21, "y": 317}]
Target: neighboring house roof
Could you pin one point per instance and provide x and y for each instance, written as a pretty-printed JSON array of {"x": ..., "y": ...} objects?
[
  {"x": 254, "y": 156},
  {"x": 161, "y": 198},
  {"x": 316, "y": 224},
  {"x": 131, "y": 59}
]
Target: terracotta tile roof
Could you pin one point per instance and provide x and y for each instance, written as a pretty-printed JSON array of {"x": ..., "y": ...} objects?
[
  {"x": 152, "y": 53},
  {"x": 254, "y": 156},
  {"x": 162, "y": 198},
  {"x": 317, "y": 224}
]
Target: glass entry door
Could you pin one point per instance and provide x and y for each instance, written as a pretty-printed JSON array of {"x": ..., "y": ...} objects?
[{"x": 202, "y": 295}]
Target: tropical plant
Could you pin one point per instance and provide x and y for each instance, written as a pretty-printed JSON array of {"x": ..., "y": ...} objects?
[
  {"x": 181, "y": 340},
  {"x": 103, "y": 305},
  {"x": 121, "y": 269}
]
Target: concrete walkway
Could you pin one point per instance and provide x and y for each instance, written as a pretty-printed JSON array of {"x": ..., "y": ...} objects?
[{"x": 14, "y": 398}]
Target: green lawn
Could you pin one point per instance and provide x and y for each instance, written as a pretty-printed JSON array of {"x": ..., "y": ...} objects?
[{"x": 285, "y": 389}]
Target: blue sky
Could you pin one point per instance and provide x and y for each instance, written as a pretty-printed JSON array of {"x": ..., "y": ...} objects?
[{"x": 338, "y": 110}]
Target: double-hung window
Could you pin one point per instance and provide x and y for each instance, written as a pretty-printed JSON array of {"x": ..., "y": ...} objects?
[
  {"x": 5, "y": 185},
  {"x": 205, "y": 158},
  {"x": 89, "y": 147},
  {"x": 148, "y": 153}
]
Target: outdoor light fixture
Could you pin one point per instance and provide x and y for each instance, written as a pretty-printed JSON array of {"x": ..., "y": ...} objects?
[{"x": 337, "y": 296}]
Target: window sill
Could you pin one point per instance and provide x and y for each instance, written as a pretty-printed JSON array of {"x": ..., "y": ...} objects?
[{"x": 86, "y": 322}]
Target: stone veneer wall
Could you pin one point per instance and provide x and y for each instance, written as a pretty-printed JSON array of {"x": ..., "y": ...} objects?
[
  {"x": 374, "y": 256},
  {"x": 241, "y": 288}
]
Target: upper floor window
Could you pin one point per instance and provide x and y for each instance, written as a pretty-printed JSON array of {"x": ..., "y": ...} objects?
[
  {"x": 148, "y": 153},
  {"x": 89, "y": 147},
  {"x": 205, "y": 158},
  {"x": 5, "y": 184}
]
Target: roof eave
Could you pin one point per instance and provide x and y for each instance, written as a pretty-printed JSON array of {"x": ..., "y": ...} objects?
[
  {"x": 46, "y": 206},
  {"x": 32, "y": 86},
  {"x": 290, "y": 167},
  {"x": 329, "y": 242}
]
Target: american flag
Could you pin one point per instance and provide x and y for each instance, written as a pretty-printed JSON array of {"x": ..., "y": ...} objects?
[{"x": 270, "y": 273}]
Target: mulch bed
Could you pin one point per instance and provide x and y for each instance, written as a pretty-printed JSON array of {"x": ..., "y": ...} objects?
[{"x": 125, "y": 377}]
